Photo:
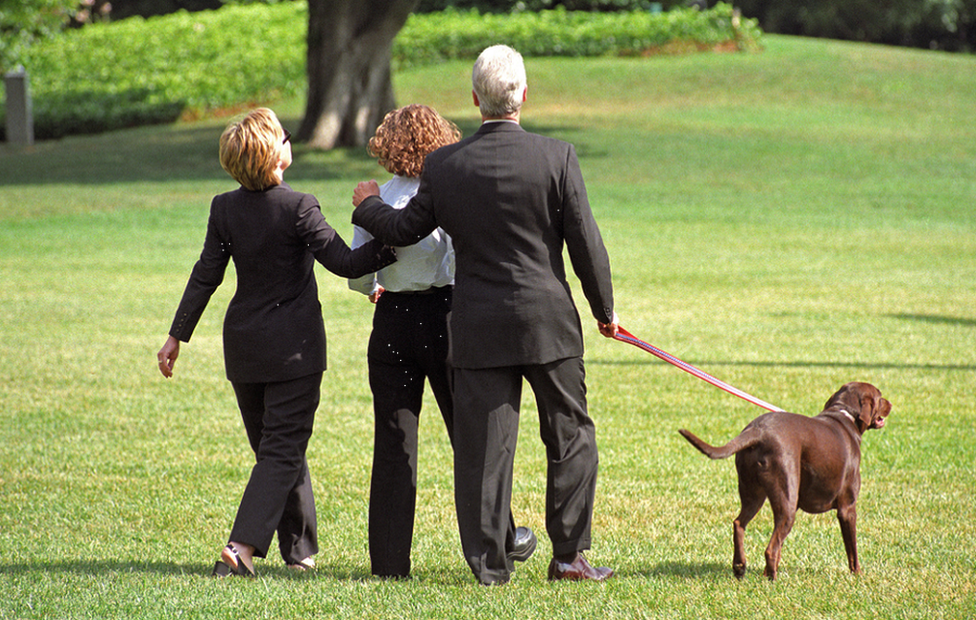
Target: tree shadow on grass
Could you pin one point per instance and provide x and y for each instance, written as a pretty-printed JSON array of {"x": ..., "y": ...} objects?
[
  {"x": 145, "y": 154},
  {"x": 181, "y": 152},
  {"x": 162, "y": 153},
  {"x": 936, "y": 319}
]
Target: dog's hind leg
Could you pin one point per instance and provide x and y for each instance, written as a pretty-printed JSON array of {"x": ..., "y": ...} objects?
[
  {"x": 847, "y": 515},
  {"x": 752, "y": 499},
  {"x": 784, "y": 514}
]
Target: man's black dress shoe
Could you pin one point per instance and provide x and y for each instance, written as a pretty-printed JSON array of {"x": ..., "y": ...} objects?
[
  {"x": 577, "y": 570},
  {"x": 524, "y": 546}
]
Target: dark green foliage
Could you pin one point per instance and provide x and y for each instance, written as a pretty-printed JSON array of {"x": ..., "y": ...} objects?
[
  {"x": 518, "y": 6},
  {"x": 142, "y": 71},
  {"x": 453, "y": 34},
  {"x": 148, "y": 8},
  {"x": 938, "y": 24},
  {"x": 121, "y": 9},
  {"x": 25, "y": 22}
]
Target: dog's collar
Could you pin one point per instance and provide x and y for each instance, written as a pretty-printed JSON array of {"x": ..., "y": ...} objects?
[{"x": 848, "y": 414}]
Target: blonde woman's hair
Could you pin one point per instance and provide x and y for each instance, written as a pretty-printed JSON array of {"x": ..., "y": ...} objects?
[
  {"x": 498, "y": 78},
  {"x": 407, "y": 135},
  {"x": 251, "y": 148}
]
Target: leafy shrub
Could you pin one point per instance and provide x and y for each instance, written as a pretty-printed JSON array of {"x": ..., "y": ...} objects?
[
  {"x": 25, "y": 22},
  {"x": 141, "y": 71},
  {"x": 454, "y": 34}
]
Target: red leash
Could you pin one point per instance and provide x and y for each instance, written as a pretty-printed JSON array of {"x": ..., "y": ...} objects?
[{"x": 625, "y": 336}]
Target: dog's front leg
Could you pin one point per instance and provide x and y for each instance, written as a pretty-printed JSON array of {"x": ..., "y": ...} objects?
[{"x": 847, "y": 516}]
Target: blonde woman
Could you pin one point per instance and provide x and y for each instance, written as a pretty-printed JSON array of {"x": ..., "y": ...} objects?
[{"x": 273, "y": 333}]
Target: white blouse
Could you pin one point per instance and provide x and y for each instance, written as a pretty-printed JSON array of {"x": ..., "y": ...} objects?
[{"x": 427, "y": 263}]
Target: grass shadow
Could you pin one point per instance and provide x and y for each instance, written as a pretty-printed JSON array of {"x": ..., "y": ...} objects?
[
  {"x": 701, "y": 570},
  {"x": 179, "y": 152},
  {"x": 187, "y": 152},
  {"x": 936, "y": 319}
]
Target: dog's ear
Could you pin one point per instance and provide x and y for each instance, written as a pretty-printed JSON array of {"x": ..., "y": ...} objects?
[
  {"x": 874, "y": 408},
  {"x": 881, "y": 411},
  {"x": 865, "y": 404}
]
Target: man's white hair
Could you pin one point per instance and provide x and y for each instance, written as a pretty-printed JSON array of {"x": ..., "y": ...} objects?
[{"x": 499, "y": 81}]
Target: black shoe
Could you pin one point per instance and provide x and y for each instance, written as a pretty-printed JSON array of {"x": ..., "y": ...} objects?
[
  {"x": 496, "y": 582},
  {"x": 524, "y": 545},
  {"x": 223, "y": 566},
  {"x": 577, "y": 570}
]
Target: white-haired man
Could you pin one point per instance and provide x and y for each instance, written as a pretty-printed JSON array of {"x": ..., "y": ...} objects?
[{"x": 511, "y": 201}]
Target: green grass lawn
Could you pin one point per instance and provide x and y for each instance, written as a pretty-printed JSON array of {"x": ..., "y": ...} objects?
[{"x": 787, "y": 221}]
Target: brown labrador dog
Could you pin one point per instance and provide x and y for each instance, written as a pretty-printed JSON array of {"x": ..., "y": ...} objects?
[{"x": 813, "y": 464}]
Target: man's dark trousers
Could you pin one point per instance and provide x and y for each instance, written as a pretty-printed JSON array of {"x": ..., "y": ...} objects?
[{"x": 486, "y": 429}]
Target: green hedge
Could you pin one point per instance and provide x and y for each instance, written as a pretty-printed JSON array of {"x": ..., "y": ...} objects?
[
  {"x": 142, "y": 71},
  {"x": 451, "y": 34}
]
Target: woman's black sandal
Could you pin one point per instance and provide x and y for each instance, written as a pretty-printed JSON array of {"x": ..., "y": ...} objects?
[{"x": 224, "y": 569}]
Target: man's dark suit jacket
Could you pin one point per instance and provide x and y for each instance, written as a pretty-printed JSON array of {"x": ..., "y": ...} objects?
[
  {"x": 510, "y": 200},
  {"x": 273, "y": 329}
]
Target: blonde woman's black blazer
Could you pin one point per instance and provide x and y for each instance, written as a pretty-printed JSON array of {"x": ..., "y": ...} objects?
[{"x": 273, "y": 329}]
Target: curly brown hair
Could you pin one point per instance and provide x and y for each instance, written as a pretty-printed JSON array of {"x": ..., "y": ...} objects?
[{"x": 407, "y": 135}]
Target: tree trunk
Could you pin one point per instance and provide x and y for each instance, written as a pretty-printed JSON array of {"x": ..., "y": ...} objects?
[{"x": 349, "y": 82}]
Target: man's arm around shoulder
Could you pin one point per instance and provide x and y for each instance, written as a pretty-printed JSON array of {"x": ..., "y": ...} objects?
[{"x": 397, "y": 227}]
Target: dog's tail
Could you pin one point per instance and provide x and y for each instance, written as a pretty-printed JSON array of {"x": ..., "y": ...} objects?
[{"x": 746, "y": 438}]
